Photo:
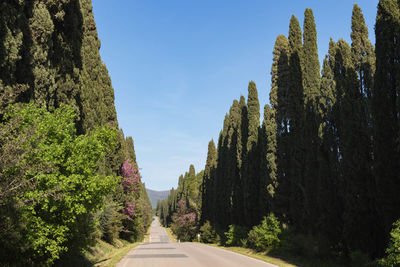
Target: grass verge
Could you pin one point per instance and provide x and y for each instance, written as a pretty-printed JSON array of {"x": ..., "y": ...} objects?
[
  {"x": 107, "y": 255},
  {"x": 256, "y": 255},
  {"x": 171, "y": 235}
]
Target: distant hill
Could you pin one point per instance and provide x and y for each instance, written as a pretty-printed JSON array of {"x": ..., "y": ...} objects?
[{"x": 156, "y": 195}]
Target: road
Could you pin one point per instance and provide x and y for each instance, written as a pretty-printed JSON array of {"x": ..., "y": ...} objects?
[{"x": 160, "y": 252}]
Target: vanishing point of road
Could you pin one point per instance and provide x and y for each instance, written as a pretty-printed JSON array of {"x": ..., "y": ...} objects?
[{"x": 160, "y": 252}]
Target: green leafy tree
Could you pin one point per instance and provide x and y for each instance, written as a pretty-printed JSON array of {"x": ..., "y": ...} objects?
[
  {"x": 393, "y": 250},
  {"x": 62, "y": 197}
]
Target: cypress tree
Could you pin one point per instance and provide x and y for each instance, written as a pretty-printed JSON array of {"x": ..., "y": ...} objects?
[
  {"x": 311, "y": 87},
  {"x": 42, "y": 28},
  {"x": 235, "y": 146},
  {"x": 279, "y": 99},
  {"x": 268, "y": 166},
  {"x": 130, "y": 148},
  {"x": 385, "y": 111},
  {"x": 329, "y": 195},
  {"x": 294, "y": 206},
  {"x": 355, "y": 138},
  {"x": 222, "y": 204},
  {"x": 311, "y": 66},
  {"x": 192, "y": 171},
  {"x": 208, "y": 190},
  {"x": 97, "y": 94},
  {"x": 252, "y": 181},
  {"x": 363, "y": 55},
  {"x": 253, "y": 114}
]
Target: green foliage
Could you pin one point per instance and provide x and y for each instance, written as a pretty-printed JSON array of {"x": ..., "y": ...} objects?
[
  {"x": 110, "y": 222},
  {"x": 208, "y": 234},
  {"x": 53, "y": 179},
  {"x": 265, "y": 236},
  {"x": 236, "y": 235},
  {"x": 65, "y": 189},
  {"x": 393, "y": 250}
]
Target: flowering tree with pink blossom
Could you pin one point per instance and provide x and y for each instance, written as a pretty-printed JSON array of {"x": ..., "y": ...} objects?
[
  {"x": 184, "y": 222},
  {"x": 131, "y": 184},
  {"x": 130, "y": 177},
  {"x": 131, "y": 209}
]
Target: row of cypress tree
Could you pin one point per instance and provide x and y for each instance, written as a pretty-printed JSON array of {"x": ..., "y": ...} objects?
[
  {"x": 49, "y": 55},
  {"x": 326, "y": 158},
  {"x": 188, "y": 190}
]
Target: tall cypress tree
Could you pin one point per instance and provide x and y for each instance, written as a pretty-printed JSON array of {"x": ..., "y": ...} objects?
[
  {"x": 279, "y": 99},
  {"x": 235, "y": 159},
  {"x": 355, "y": 141},
  {"x": 386, "y": 110},
  {"x": 97, "y": 94},
  {"x": 252, "y": 181},
  {"x": 208, "y": 189},
  {"x": 329, "y": 194},
  {"x": 363, "y": 55},
  {"x": 222, "y": 186},
  {"x": 295, "y": 139},
  {"x": 268, "y": 166},
  {"x": 311, "y": 87}
]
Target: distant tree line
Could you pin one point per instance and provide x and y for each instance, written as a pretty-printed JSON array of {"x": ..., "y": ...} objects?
[
  {"x": 326, "y": 157},
  {"x": 68, "y": 175},
  {"x": 184, "y": 201}
]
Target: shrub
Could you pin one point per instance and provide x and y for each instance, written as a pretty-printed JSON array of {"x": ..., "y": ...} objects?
[
  {"x": 208, "y": 233},
  {"x": 393, "y": 251},
  {"x": 266, "y": 235},
  {"x": 235, "y": 235}
]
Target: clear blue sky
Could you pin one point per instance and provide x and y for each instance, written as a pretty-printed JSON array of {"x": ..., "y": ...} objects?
[{"x": 177, "y": 65}]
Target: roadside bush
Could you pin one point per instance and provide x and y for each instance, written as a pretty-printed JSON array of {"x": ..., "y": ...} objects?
[
  {"x": 265, "y": 236},
  {"x": 208, "y": 234},
  {"x": 393, "y": 250},
  {"x": 235, "y": 235}
]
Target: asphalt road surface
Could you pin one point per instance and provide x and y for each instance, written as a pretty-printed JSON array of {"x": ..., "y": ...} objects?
[{"x": 160, "y": 252}]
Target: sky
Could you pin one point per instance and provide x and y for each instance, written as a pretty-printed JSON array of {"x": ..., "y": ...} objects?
[{"x": 176, "y": 66}]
